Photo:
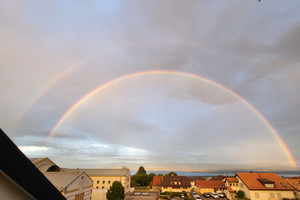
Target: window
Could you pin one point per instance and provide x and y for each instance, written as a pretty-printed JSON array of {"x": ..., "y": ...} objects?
[
  {"x": 102, "y": 187},
  {"x": 79, "y": 196},
  {"x": 256, "y": 195},
  {"x": 97, "y": 182},
  {"x": 97, "y": 187},
  {"x": 108, "y": 182},
  {"x": 272, "y": 195},
  {"x": 242, "y": 185},
  {"x": 279, "y": 195},
  {"x": 103, "y": 182},
  {"x": 283, "y": 184}
]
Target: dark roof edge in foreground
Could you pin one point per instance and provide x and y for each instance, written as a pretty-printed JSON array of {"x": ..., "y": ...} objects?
[{"x": 21, "y": 170}]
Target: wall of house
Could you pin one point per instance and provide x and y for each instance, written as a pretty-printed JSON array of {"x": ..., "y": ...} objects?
[
  {"x": 297, "y": 194},
  {"x": 204, "y": 190},
  {"x": 234, "y": 186},
  {"x": 156, "y": 187},
  {"x": 99, "y": 194},
  {"x": 170, "y": 189},
  {"x": 242, "y": 187},
  {"x": 267, "y": 195},
  {"x": 230, "y": 196},
  {"x": 10, "y": 190},
  {"x": 104, "y": 182},
  {"x": 81, "y": 186}
]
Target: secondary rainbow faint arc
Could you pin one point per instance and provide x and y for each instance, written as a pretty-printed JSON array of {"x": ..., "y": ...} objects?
[
  {"x": 254, "y": 110},
  {"x": 60, "y": 76}
]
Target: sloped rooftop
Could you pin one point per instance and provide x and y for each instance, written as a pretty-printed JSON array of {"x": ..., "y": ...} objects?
[
  {"x": 101, "y": 172},
  {"x": 253, "y": 181}
]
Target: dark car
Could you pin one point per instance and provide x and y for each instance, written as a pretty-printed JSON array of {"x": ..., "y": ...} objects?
[{"x": 207, "y": 195}]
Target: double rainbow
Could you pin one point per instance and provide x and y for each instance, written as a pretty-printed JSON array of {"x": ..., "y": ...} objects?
[{"x": 189, "y": 75}]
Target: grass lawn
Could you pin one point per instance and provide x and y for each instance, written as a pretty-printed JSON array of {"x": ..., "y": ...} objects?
[{"x": 140, "y": 187}]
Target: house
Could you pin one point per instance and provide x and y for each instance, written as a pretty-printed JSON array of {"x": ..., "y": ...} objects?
[
  {"x": 156, "y": 183},
  {"x": 264, "y": 186},
  {"x": 295, "y": 183},
  {"x": 209, "y": 186},
  {"x": 175, "y": 184},
  {"x": 232, "y": 182},
  {"x": 218, "y": 178},
  {"x": 69, "y": 184},
  {"x": 19, "y": 178},
  {"x": 104, "y": 178},
  {"x": 73, "y": 185}
]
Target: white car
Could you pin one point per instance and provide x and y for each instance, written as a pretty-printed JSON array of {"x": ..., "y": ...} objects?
[
  {"x": 220, "y": 194},
  {"x": 214, "y": 195},
  {"x": 197, "y": 197}
]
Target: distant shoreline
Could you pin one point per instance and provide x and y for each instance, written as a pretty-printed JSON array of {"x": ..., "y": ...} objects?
[{"x": 215, "y": 173}]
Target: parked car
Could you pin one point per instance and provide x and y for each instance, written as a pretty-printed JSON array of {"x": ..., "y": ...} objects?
[
  {"x": 197, "y": 197},
  {"x": 220, "y": 194},
  {"x": 182, "y": 195},
  {"x": 206, "y": 194},
  {"x": 193, "y": 193},
  {"x": 214, "y": 195}
]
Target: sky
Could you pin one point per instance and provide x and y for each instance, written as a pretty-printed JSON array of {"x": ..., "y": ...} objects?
[{"x": 178, "y": 85}]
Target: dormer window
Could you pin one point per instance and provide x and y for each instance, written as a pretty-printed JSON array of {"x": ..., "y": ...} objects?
[{"x": 267, "y": 183}]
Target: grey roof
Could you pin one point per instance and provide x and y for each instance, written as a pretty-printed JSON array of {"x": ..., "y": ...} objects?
[
  {"x": 61, "y": 179},
  {"x": 101, "y": 172},
  {"x": 35, "y": 160}
]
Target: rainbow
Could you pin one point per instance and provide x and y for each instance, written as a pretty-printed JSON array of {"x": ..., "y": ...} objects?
[
  {"x": 60, "y": 76},
  {"x": 147, "y": 73}
]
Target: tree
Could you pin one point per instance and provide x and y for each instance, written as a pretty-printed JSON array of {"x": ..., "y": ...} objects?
[
  {"x": 160, "y": 175},
  {"x": 141, "y": 170},
  {"x": 116, "y": 192},
  {"x": 171, "y": 174},
  {"x": 150, "y": 177}
]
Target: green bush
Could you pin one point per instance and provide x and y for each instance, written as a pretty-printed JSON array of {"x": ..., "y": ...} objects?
[{"x": 240, "y": 194}]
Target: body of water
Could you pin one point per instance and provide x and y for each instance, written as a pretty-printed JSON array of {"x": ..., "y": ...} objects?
[{"x": 211, "y": 174}]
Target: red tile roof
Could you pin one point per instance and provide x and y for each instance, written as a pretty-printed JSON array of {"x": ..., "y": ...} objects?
[
  {"x": 294, "y": 182},
  {"x": 253, "y": 181},
  {"x": 230, "y": 189},
  {"x": 232, "y": 179},
  {"x": 210, "y": 184},
  {"x": 157, "y": 180},
  {"x": 297, "y": 177}
]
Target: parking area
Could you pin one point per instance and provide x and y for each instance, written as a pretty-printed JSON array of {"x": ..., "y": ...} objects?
[{"x": 210, "y": 198}]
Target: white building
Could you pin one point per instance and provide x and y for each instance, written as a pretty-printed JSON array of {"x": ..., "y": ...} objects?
[{"x": 104, "y": 178}]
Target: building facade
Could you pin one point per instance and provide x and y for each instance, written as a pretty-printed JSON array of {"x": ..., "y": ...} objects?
[
  {"x": 209, "y": 186},
  {"x": 73, "y": 185},
  {"x": 104, "y": 178},
  {"x": 171, "y": 183}
]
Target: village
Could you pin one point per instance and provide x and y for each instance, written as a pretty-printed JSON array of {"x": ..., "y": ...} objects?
[{"x": 42, "y": 178}]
